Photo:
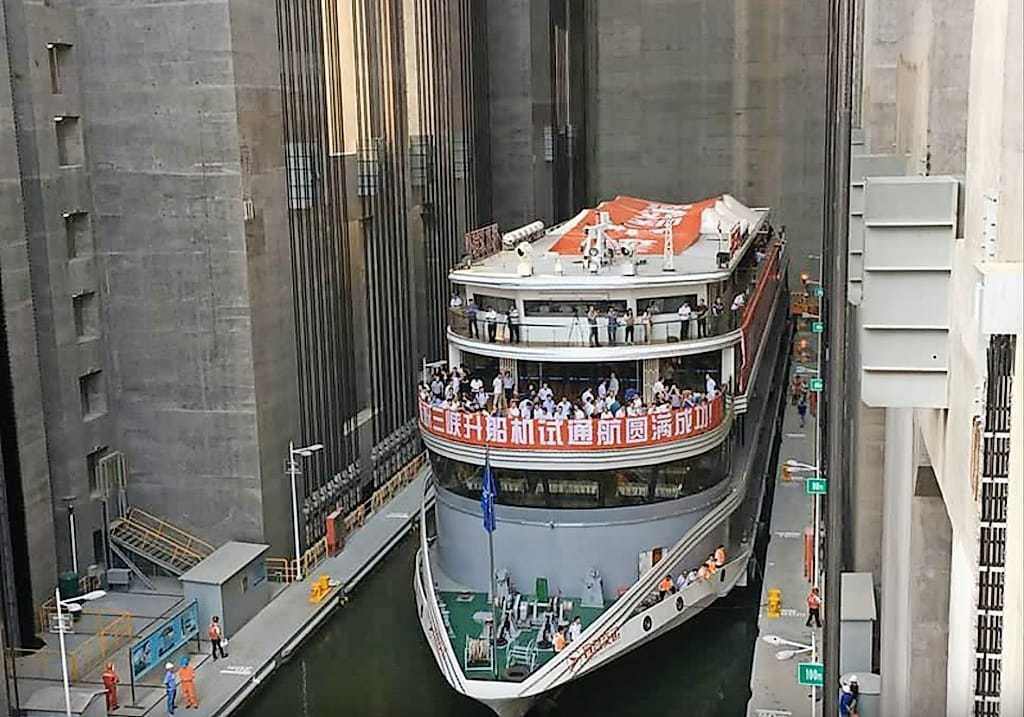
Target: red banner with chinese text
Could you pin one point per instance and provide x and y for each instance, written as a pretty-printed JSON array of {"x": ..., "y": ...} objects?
[{"x": 546, "y": 434}]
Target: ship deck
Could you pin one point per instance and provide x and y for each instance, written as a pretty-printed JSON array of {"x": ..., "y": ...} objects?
[{"x": 464, "y": 615}]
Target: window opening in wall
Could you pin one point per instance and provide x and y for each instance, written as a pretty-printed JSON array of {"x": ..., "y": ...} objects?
[
  {"x": 78, "y": 232},
  {"x": 70, "y": 152},
  {"x": 86, "y": 310},
  {"x": 60, "y": 55},
  {"x": 92, "y": 462},
  {"x": 92, "y": 394}
]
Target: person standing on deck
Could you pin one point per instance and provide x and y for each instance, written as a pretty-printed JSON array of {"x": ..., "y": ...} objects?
[
  {"x": 801, "y": 409},
  {"x": 702, "y": 318},
  {"x": 187, "y": 674},
  {"x": 630, "y": 321},
  {"x": 110, "y": 681},
  {"x": 613, "y": 325},
  {"x": 471, "y": 311},
  {"x": 592, "y": 321},
  {"x": 216, "y": 635},
  {"x": 685, "y": 312},
  {"x": 170, "y": 687},
  {"x": 813, "y": 607}
]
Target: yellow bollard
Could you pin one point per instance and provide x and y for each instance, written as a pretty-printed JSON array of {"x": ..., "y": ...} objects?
[
  {"x": 774, "y": 608},
  {"x": 318, "y": 591}
]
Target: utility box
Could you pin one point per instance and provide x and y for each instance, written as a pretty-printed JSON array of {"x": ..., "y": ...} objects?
[
  {"x": 856, "y": 626},
  {"x": 231, "y": 583}
]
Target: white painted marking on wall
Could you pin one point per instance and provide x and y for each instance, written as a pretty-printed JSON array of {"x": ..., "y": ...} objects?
[
  {"x": 787, "y": 534},
  {"x": 244, "y": 670},
  {"x": 397, "y": 516}
]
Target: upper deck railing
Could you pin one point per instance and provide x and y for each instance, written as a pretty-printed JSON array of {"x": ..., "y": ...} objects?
[
  {"x": 568, "y": 330},
  {"x": 569, "y": 435}
]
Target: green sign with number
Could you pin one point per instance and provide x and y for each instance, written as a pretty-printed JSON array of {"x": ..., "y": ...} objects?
[
  {"x": 816, "y": 486},
  {"x": 819, "y": 291},
  {"x": 817, "y": 384},
  {"x": 817, "y": 327},
  {"x": 811, "y": 674}
]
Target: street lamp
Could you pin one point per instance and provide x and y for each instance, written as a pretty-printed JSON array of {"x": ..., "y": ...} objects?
[
  {"x": 293, "y": 470},
  {"x": 70, "y": 604}
]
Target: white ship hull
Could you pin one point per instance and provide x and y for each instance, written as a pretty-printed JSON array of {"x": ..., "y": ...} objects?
[{"x": 616, "y": 632}]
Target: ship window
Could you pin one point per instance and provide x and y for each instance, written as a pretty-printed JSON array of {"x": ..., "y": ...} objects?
[
  {"x": 665, "y": 304},
  {"x": 499, "y": 304},
  {"x": 572, "y": 379},
  {"x": 566, "y": 308},
  {"x": 589, "y": 489},
  {"x": 691, "y": 371}
]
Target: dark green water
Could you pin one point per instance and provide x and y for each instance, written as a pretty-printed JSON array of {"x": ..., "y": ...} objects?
[{"x": 371, "y": 659}]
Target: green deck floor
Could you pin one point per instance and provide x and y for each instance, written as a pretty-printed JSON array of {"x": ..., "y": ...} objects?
[{"x": 463, "y": 625}]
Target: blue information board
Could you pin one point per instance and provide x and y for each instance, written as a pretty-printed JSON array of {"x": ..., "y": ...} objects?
[{"x": 154, "y": 649}]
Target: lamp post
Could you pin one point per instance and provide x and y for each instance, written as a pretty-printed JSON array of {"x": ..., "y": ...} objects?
[
  {"x": 94, "y": 595},
  {"x": 293, "y": 471}
]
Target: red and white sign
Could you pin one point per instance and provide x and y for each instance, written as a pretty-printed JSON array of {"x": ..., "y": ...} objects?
[
  {"x": 641, "y": 221},
  {"x": 586, "y": 434}
]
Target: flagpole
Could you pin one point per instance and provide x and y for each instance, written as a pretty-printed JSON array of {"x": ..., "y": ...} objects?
[{"x": 494, "y": 591}]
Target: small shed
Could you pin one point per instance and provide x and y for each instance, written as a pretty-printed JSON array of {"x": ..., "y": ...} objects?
[
  {"x": 49, "y": 702},
  {"x": 856, "y": 628},
  {"x": 231, "y": 583}
]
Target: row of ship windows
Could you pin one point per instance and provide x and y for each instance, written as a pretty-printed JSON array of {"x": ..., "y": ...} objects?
[{"x": 588, "y": 489}]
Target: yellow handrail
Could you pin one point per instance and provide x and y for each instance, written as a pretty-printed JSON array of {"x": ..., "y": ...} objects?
[{"x": 175, "y": 534}]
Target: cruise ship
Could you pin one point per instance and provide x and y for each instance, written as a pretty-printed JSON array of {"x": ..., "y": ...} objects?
[{"x": 640, "y": 352}]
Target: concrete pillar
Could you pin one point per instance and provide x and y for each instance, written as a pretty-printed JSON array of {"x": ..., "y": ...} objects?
[
  {"x": 963, "y": 601},
  {"x": 454, "y": 356},
  {"x": 929, "y": 567},
  {"x": 898, "y": 494},
  {"x": 728, "y": 365}
]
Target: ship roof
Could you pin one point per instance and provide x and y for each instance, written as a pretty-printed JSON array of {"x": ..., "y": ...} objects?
[{"x": 700, "y": 231}]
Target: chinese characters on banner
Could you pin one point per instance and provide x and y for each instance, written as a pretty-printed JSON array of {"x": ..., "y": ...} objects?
[{"x": 572, "y": 434}]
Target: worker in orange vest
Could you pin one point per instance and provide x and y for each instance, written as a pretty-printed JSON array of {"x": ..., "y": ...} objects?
[
  {"x": 110, "y": 680},
  {"x": 187, "y": 675},
  {"x": 813, "y": 607}
]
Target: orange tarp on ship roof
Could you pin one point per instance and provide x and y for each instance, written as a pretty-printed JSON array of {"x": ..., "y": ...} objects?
[{"x": 640, "y": 220}]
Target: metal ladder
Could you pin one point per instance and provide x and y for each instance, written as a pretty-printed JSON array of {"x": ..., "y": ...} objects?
[{"x": 158, "y": 541}]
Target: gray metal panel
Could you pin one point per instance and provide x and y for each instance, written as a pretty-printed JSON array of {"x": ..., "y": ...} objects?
[
  {"x": 862, "y": 166},
  {"x": 227, "y": 560},
  {"x": 858, "y": 598},
  {"x": 909, "y": 231}
]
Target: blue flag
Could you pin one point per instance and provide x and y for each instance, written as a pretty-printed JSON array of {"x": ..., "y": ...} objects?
[{"x": 488, "y": 490}]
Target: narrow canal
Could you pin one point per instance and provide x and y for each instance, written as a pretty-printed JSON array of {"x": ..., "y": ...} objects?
[{"x": 371, "y": 659}]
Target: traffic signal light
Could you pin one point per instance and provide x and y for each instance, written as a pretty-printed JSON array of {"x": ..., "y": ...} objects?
[
  {"x": 787, "y": 473},
  {"x": 774, "y": 602},
  {"x": 804, "y": 277},
  {"x": 802, "y": 344}
]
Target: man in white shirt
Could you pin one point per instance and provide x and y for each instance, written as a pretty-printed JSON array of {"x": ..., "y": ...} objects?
[
  {"x": 508, "y": 384},
  {"x": 602, "y": 389},
  {"x": 710, "y": 385},
  {"x": 685, "y": 312},
  {"x": 739, "y": 301},
  {"x": 476, "y": 385},
  {"x": 545, "y": 392},
  {"x": 498, "y": 387},
  {"x": 613, "y": 385},
  {"x": 658, "y": 388},
  {"x": 456, "y": 301},
  {"x": 587, "y": 397}
]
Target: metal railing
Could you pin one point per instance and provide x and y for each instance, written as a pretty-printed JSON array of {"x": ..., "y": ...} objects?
[
  {"x": 284, "y": 570},
  {"x": 569, "y": 330},
  {"x": 83, "y": 658}
]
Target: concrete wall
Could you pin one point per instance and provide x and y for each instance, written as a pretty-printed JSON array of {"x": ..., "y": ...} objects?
[
  {"x": 184, "y": 127},
  {"x": 559, "y": 545},
  {"x": 692, "y": 98},
  {"x": 951, "y": 103},
  {"x": 519, "y": 76},
  {"x": 20, "y": 219}
]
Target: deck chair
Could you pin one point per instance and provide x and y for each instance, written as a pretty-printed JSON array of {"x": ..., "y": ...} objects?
[{"x": 540, "y": 599}]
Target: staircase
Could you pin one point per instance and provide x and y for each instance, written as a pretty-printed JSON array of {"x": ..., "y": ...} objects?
[{"x": 161, "y": 543}]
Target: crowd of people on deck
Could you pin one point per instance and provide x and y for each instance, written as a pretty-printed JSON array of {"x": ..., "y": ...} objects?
[
  {"x": 693, "y": 321},
  {"x": 705, "y": 571},
  {"x": 459, "y": 390}
]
